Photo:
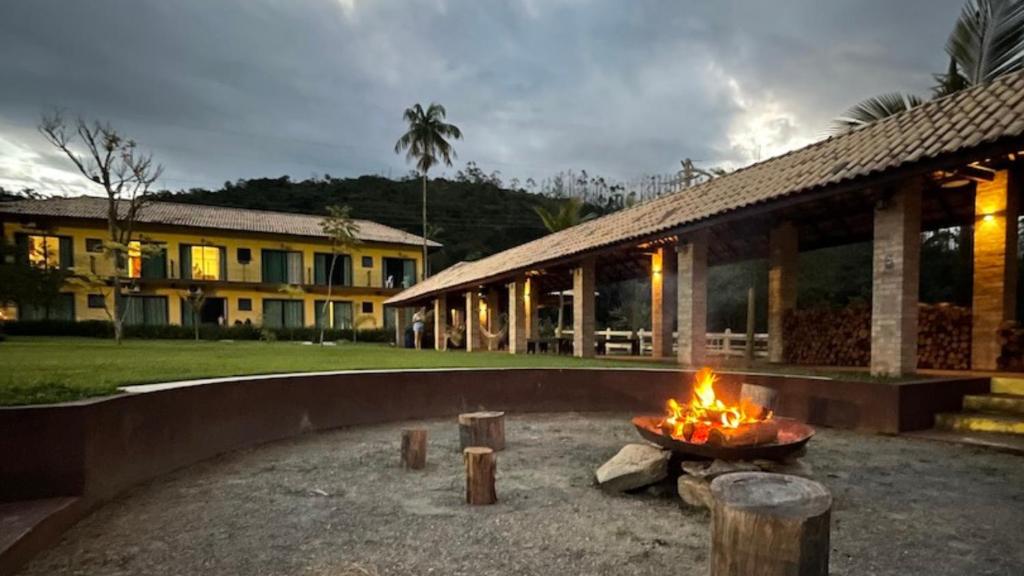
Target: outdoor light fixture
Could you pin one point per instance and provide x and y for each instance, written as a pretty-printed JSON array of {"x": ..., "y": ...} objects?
[{"x": 988, "y": 218}]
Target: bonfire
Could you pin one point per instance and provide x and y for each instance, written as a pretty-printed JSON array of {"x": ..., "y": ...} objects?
[{"x": 706, "y": 419}]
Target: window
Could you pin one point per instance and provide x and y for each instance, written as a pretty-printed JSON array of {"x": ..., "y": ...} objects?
[
  {"x": 367, "y": 307},
  {"x": 341, "y": 317},
  {"x": 94, "y": 245},
  {"x": 398, "y": 272},
  {"x": 97, "y": 301},
  {"x": 147, "y": 260},
  {"x": 244, "y": 255},
  {"x": 203, "y": 262},
  {"x": 245, "y": 304},
  {"x": 282, "y": 267},
  {"x": 63, "y": 308},
  {"x": 342, "y": 274},
  {"x": 283, "y": 313},
  {"x": 46, "y": 251},
  {"x": 367, "y": 261},
  {"x": 145, "y": 310}
]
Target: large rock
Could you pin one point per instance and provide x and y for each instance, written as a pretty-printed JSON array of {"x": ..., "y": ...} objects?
[
  {"x": 635, "y": 466},
  {"x": 695, "y": 491}
]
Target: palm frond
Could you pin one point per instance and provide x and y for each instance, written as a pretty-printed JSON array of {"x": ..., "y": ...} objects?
[
  {"x": 874, "y": 109},
  {"x": 988, "y": 39}
]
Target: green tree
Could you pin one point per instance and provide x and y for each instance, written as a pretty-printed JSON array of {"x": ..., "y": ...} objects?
[
  {"x": 569, "y": 214},
  {"x": 23, "y": 284},
  {"x": 343, "y": 231},
  {"x": 987, "y": 41},
  {"x": 114, "y": 163},
  {"x": 425, "y": 142}
]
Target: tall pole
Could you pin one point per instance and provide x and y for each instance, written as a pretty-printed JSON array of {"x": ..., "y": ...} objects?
[
  {"x": 751, "y": 311},
  {"x": 424, "y": 273}
]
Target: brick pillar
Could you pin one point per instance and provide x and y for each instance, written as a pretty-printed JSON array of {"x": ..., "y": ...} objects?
[
  {"x": 583, "y": 285},
  {"x": 493, "y": 317},
  {"x": 440, "y": 322},
  {"x": 783, "y": 253},
  {"x": 401, "y": 323},
  {"x": 663, "y": 301},
  {"x": 474, "y": 340},
  {"x": 896, "y": 268},
  {"x": 532, "y": 310},
  {"x": 692, "y": 300},
  {"x": 517, "y": 316},
  {"x": 995, "y": 266}
]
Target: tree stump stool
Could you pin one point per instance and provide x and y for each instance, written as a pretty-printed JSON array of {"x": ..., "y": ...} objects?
[
  {"x": 482, "y": 429},
  {"x": 769, "y": 525},
  {"x": 414, "y": 449},
  {"x": 480, "y": 467}
]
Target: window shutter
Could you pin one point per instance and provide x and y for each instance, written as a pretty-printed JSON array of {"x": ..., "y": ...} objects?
[
  {"x": 154, "y": 264},
  {"x": 21, "y": 245},
  {"x": 223, "y": 263},
  {"x": 294, "y": 260},
  {"x": 185, "y": 257},
  {"x": 321, "y": 264},
  {"x": 67, "y": 253}
]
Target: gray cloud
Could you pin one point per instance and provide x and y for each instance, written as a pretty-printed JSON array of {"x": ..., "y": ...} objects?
[{"x": 227, "y": 89}]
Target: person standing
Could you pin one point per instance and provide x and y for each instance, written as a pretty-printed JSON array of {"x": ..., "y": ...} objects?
[{"x": 419, "y": 320}]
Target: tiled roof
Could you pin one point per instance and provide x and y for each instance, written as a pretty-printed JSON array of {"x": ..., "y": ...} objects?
[
  {"x": 212, "y": 217},
  {"x": 959, "y": 122}
]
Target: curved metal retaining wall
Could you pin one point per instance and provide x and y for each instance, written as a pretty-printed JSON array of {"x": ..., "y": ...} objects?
[{"x": 94, "y": 449}]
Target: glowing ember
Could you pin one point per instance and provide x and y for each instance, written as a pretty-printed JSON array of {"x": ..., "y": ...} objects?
[{"x": 706, "y": 416}]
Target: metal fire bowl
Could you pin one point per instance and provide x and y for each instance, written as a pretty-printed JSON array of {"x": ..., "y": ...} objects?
[{"x": 793, "y": 435}]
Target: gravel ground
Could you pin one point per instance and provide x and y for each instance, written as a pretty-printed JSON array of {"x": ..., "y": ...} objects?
[{"x": 337, "y": 504}]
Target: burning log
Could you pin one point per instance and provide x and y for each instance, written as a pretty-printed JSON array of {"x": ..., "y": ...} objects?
[
  {"x": 753, "y": 434},
  {"x": 414, "y": 449},
  {"x": 764, "y": 398},
  {"x": 705, "y": 419},
  {"x": 769, "y": 525},
  {"x": 482, "y": 429},
  {"x": 480, "y": 466}
]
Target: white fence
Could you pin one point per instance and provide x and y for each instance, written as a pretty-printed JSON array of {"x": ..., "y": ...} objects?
[{"x": 728, "y": 343}]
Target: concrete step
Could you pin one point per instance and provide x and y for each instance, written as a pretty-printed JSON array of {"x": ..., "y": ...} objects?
[
  {"x": 995, "y": 403},
  {"x": 980, "y": 422},
  {"x": 1002, "y": 385}
]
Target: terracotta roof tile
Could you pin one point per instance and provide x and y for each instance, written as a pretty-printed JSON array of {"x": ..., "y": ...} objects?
[{"x": 964, "y": 120}]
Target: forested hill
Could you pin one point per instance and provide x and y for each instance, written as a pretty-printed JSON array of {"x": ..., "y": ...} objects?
[{"x": 471, "y": 219}]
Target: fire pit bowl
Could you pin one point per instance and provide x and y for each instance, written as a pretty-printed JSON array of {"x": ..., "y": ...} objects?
[{"x": 792, "y": 436}]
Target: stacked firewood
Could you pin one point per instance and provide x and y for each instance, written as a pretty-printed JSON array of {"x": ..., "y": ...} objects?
[
  {"x": 842, "y": 337},
  {"x": 1011, "y": 344},
  {"x": 828, "y": 337},
  {"x": 944, "y": 337}
]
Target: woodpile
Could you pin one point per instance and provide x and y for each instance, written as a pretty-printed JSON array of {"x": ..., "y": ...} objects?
[
  {"x": 944, "y": 337},
  {"x": 1011, "y": 346},
  {"x": 842, "y": 337}
]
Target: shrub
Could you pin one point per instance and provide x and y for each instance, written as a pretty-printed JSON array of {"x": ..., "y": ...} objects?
[{"x": 104, "y": 329}]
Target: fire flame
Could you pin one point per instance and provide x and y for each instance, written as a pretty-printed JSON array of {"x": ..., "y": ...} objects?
[{"x": 693, "y": 421}]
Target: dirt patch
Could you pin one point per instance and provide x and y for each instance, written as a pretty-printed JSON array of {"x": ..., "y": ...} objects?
[{"x": 338, "y": 503}]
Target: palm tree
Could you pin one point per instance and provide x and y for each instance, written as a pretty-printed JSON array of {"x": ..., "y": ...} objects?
[
  {"x": 987, "y": 41},
  {"x": 425, "y": 142},
  {"x": 569, "y": 214},
  {"x": 343, "y": 231}
]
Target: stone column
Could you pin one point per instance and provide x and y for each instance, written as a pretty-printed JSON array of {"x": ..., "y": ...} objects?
[
  {"x": 783, "y": 253},
  {"x": 583, "y": 285},
  {"x": 493, "y": 317},
  {"x": 532, "y": 310},
  {"x": 517, "y": 316},
  {"x": 894, "y": 290},
  {"x": 440, "y": 322},
  {"x": 401, "y": 323},
  {"x": 663, "y": 301},
  {"x": 474, "y": 340},
  {"x": 692, "y": 300},
  {"x": 995, "y": 266}
]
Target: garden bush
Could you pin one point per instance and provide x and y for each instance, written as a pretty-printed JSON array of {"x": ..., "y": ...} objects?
[{"x": 104, "y": 329}]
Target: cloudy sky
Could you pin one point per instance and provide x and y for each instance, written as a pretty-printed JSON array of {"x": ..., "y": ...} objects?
[{"x": 227, "y": 89}]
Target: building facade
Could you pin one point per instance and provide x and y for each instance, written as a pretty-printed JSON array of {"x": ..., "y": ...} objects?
[{"x": 252, "y": 267}]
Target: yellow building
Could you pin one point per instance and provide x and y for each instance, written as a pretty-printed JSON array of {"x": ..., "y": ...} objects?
[{"x": 253, "y": 266}]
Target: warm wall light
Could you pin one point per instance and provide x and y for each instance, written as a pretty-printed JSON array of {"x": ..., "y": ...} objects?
[
  {"x": 656, "y": 263},
  {"x": 988, "y": 218}
]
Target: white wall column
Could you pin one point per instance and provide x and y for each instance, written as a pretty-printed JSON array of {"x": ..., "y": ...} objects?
[
  {"x": 517, "y": 316},
  {"x": 783, "y": 254},
  {"x": 583, "y": 285},
  {"x": 895, "y": 284},
  {"x": 474, "y": 340},
  {"x": 692, "y": 300},
  {"x": 663, "y": 301},
  {"x": 441, "y": 322},
  {"x": 995, "y": 266}
]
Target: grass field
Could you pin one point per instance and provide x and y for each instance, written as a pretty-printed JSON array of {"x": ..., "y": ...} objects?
[{"x": 45, "y": 370}]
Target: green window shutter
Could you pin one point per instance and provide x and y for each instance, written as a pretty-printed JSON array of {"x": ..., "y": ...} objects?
[
  {"x": 154, "y": 265},
  {"x": 318, "y": 316},
  {"x": 186, "y": 313},
  {"x": 274, "y": 266},
  {"x": 408, "y": 273},
  {"x": 223, "y": 264},
  {"x": 321, "y": 264},
  {"x": 21, "y": 247},
  {"x": 67, "y": 253},
  {"x": 185, "y": 259},
  {"x": 273, "y": 314},
  {"x": 346, "y": 270}
]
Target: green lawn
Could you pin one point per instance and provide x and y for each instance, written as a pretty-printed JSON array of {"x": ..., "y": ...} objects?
[{"x": 44, "y": 370}]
